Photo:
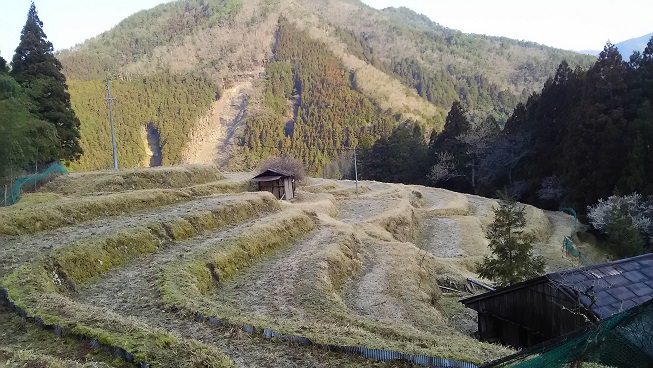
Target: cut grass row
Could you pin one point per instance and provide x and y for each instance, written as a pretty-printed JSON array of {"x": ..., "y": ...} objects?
[
  {"x": 191, "y": 286},
  {"x": 26, "y": 358},
  {"x": 38, "y": 288},
  {"x": 23, "y": 344},
  {"x": 133, "y": 179},
  {"x": 182, "y": 283},
  {"x": 28, "y": 217}
]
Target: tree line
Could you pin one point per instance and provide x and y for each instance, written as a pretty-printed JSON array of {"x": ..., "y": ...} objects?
[{"x": 586, "y": 136}]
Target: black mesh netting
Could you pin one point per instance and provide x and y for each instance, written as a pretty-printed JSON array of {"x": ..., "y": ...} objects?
[{"x": 623, "y": 340}]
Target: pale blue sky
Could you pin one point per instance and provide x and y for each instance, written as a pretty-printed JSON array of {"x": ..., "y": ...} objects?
[
  {"x": 65, "y": 22},
  {"x": 568, "y": 24}
]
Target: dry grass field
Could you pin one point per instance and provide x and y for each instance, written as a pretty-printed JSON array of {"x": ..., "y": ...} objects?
[{"x": 167, "y": 266}]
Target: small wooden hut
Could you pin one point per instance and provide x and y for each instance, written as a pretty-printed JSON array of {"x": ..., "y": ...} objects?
[
  {"x": 277, "y": 182},
  {"x": 552, "y": 305}
]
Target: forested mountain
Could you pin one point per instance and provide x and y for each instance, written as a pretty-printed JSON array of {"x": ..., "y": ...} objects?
[
  {"x": 331, "y": 75},
  {"x": 489, "y": 75},
  {"x": 627, "y": 47}
]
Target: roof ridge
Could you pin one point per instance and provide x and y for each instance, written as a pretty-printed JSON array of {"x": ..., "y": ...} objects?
[{"x": 597, "y": 265}]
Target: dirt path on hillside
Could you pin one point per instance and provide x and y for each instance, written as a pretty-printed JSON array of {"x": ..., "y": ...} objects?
[
  {"x": 20, "y": 249},
  {"x": 378, "y": 198},
  {"x": 367, "y": 295},
  {"x": 441, "y": 237},
  {"x": 358, "y": 210},
  {"x": 277, "y": 286},
  {"x": 211, "y": 140},
  {"x": 454, "y": 237}
]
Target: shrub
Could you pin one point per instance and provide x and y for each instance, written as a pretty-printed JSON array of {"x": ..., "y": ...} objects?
[
  {"x": 288, "y": 164},
  {"x": 626, "y": 220}
]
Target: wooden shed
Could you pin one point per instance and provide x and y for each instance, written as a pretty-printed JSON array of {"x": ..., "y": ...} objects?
[
  {"x": 277, "y": 182},
  {"x": 549, "y": 306}
]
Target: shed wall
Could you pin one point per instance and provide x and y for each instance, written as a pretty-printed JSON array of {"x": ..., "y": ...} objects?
[
  {"x": 283, "y": 188},
  {"x": 288, "y": 188},
  {"x": 275, "y": 187},
  {"x": 526, "y": 316}
]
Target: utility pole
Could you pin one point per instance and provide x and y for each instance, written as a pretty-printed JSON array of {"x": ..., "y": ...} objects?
[
  {"x": 356, "y": 171},
  {"x": 113, "y": 135}
]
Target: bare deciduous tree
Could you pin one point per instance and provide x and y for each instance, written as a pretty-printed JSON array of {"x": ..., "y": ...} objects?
[
  {"x": 444, "y": 168},
  {"x": 477, "y": 141},
  {"x": 284, "y": 163}
]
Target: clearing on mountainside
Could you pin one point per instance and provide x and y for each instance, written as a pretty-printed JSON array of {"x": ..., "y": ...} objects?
[{"x": 185, "y": 266}]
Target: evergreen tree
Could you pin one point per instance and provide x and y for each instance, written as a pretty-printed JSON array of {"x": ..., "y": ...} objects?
[
  {"x": 602, "y": 139},
  {"x": 455, "y": 126},
  {"x": 23, "y": 137},
  {"x": 36, "y": 69},
  {"x": 3, "y": 66},
  {"x": 513, "y": 260},
  {"x": 399, "y": 158}
]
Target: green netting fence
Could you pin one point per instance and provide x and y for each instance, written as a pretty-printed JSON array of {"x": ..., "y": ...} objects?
[
  {"x": 623, "y": 340},
  {"x": 568, "y": 244},
  {"x": 34, "y": 180},
  {"x": 569, "y": 249}
]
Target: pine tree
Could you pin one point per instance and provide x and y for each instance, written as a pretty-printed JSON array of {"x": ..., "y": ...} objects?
[
  {"x": 455, "y": 125},
  {"x": 513, "y": 260},
  {"x": 36, "y": 69},
  {"x": 3, "y": 66}
]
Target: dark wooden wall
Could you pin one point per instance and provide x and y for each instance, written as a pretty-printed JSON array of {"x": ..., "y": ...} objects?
[
  {"x": 283, "y": 188},
  {"x": 527, "y": 316}
]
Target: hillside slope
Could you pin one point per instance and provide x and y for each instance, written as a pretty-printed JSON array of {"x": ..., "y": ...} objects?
[
  {"x": 165, "y": 250},
  {"x": 211, "y": 141},
  {"x": 402, "y": 64}
]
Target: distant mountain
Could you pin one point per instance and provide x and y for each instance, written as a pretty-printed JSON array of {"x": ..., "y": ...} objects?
[
  {"x": 626, "y": 48},
  {"x": 327, "y": 75}
]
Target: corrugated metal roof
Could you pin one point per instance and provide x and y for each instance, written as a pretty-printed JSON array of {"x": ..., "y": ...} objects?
[
  {"x": 609, "y": 288},
  {"x": 606, "y": 289}
]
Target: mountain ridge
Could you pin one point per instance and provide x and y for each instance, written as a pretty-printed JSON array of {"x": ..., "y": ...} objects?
[
  {"x": 408, "y": 73},
  {"x": 627, "y": 47}
]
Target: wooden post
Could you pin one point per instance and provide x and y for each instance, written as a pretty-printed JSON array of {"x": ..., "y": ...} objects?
[{"x": 356, "y": 171}]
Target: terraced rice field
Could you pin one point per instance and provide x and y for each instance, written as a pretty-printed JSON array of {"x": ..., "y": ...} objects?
[{"x": 187, "y": 267}]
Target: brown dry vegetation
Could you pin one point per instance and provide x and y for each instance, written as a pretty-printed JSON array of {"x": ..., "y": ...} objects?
[
  {"x": 386, "y": 91},
  {"x": 330, "y": 265}
]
